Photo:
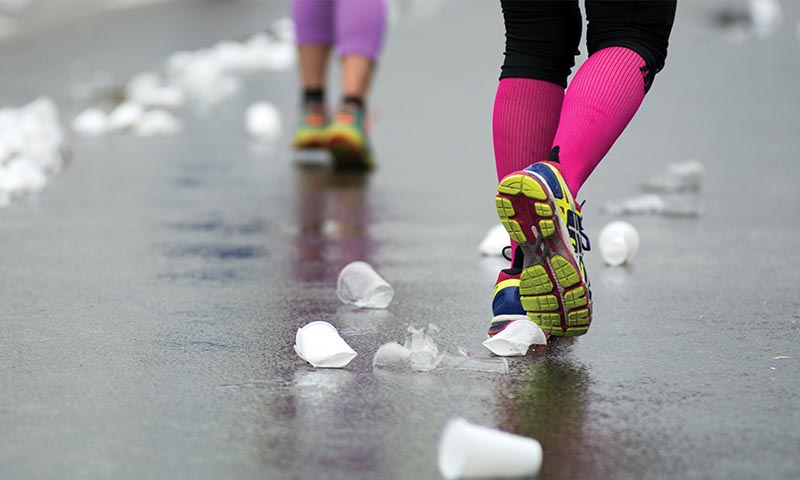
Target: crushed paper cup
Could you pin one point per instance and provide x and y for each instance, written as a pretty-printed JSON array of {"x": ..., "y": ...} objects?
[
  {"x": 319, "y": 344},
  {"x": 157, "y": 122},
  {"x": 125, "y": 115},
  {"x": 473, "y": 451},
  {"x": 91, "y": 122},
  {"x": 392, "y": 355},
  {"x": 516, "y": 338},
  {"x": 619, "y": 242},
  {"x": 360, "y": 285}
]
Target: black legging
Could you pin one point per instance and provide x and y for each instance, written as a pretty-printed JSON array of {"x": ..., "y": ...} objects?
[{"x": 542, "y": 37}]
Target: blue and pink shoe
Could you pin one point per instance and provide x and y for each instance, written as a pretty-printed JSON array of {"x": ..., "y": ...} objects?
[
  {"x": 549, "y": 283},
  {"x": 506, "y": 303}
]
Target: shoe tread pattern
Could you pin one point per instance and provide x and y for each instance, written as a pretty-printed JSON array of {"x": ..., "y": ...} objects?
[{"x": 552, "y": 289}]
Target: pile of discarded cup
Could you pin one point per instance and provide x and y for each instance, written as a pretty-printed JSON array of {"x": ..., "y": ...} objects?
[
  {"x": 145, "y": 104},
  {"x": 360, "y": 285},
  {"x": 32, "y": 147},
  {"x": 465, "y": 450},
  {"x": 318, "y": 342},
  {"x": 673, "y": 193}
]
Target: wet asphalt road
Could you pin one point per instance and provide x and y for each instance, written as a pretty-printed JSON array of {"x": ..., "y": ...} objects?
[{"x": 149, "y": 297}]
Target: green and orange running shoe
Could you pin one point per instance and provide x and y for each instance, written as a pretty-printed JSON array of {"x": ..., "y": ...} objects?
[
  {"x": 346, "y": 138},
  {"x": 540, "y": 214},
  {"x": 311, "y": 131}
]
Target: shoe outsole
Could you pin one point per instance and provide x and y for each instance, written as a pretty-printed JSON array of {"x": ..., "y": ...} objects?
[{"x": 552, "y": 291}]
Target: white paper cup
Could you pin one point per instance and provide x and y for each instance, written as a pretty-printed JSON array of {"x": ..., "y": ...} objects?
[
  {"x": 319, "y": 344},
  {"x": 619, "y": 242},
  {"x": 516, "y": 338},
  {"x": 473, "y": 451},
  {"x": 360, "y": 285}
]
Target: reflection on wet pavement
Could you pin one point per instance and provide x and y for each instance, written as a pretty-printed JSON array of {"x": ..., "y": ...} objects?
[
  {"x": 546, "y": 397},
  {"x": 216, "y": 224},
  {"x": 221, "y": 275},
  {"x": 221, "y": 252},
  {"x": 333, "y": 214}
]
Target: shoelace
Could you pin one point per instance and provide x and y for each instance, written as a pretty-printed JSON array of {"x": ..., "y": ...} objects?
[{"x": 585, "y": 244}]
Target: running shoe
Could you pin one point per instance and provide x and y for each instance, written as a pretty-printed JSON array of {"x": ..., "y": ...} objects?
[
  {"x": 310, "y": 132},
  {"x": 506, "y": 304},
  {"x": 540, "y": 214},
  {"x": 346, "y": 138}
]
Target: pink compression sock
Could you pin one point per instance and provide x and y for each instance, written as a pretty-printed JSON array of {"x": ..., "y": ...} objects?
[
  {"x": 523, "y": 124},
  {"x": 600, "y": 102}
]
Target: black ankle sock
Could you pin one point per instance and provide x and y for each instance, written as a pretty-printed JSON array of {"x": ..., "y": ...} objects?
[
  {"x": 316, "y": 95},
  {"x": 357, "y": 102}
]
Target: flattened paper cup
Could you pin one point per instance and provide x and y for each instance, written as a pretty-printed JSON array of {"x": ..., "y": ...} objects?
[
  {"x": 516, "y": 338},
  {"x": 473, "y": 451},
  {"x": 319, "y": 344}
]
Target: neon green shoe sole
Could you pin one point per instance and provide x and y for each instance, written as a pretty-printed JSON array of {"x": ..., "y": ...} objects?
[{"x": 553, "y": 292}]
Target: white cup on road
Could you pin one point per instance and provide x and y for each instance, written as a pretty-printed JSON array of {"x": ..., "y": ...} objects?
[
  {"x": 516, "y": 338},
  {"x": 619, "y": 242},
  {"x": 473, "y": 451},
  {"x": 360, "y": 285},
  {"x": 319, "y": 344}
]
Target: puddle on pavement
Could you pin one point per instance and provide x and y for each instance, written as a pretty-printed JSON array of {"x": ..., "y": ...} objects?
[
  {"x": 202, "y": 345},
  {"x": 188, "y": 182},
  {"x": 220, "y": 252},
  {"x": 206, "y": 275},
  {"x": 249, "y": 227},
  {"x": 255, "y": 384}
]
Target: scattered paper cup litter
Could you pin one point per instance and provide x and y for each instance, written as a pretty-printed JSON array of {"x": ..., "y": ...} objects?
[
  {"x": 157, "y": 122},
  {"x": 319, "y": 344},
  {"x": 494, "y": 242},
  {"x": 516, "y": 338},
  {"x": 420, "y": 353},
  {"x": 91, "y": 122},
  {"x": 680, "y": 177},
  {"x": 619, "y": 242},
  {"x": 392, "y": 355},
  {"x": 473, "y": 451},
  {"x": 766, "y": 16},
  {"x": 32, "y": 147},
  {"x": 125, "y": 116},
  {"x": 360, "y": 285},
  {"x": 263, "y": 121}
]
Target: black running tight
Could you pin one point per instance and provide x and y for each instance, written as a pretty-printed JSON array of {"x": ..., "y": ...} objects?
[{"x": 542, "y": 37}]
